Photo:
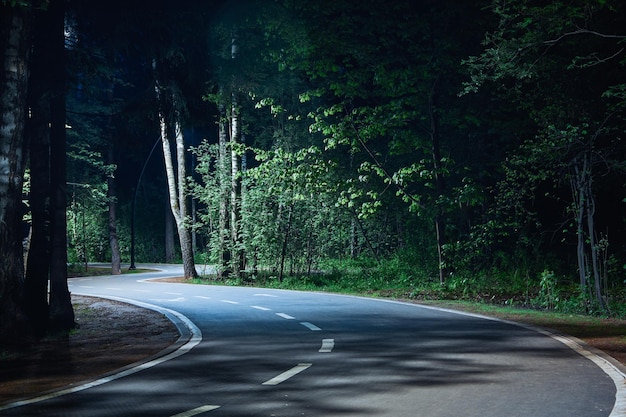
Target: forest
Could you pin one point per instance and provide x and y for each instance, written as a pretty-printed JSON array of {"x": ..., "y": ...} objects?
[{"x": 421, "y": 149}]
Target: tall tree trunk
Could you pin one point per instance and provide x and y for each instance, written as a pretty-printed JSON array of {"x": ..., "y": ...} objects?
[
  {"x": 440, "y": 185},
  {"x": 176, "y": 179},
  {"x": 176, "y": 186},
  {"x": 238, "y": 256},
  {"x": 116, "y": 259},
  {"x": 184, "y": 233},
  {"x": 353, "y": 242},
  {"x": 579, "y": 204},
  {"x": 587, "y": 211},
  {"x": 235, "y": 192},
  {"x": 61, "y": 310},
  {"x": 368, "y": 242},
  {"x": 224, "y": 184},
  {"x": 170, "y": 242},
  {"x": 35, "y": 296},
  {"x": 15, "y": 42},
  {"x": 194, "y": 222},
  {"x": 590, "y": 208},
  {"x": 283, "y": 250}
]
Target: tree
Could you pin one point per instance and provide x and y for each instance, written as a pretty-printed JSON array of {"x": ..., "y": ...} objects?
[
  {"x": 389, "y": 96},
  {"x": 562, "y": 64},
  {"x": 238, "y": 259},
  {"x": 15, "y": 42},
  {"x": 176, "y": 181},
  {"x": 35, "y": 296},
  {"x": 61, "y": 314},
  {"x": 47, "y": 256},
  {"x": 116, "y": 260}
]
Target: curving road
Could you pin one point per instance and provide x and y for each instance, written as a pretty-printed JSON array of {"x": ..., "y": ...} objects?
[{"x": 260, "y": 352}]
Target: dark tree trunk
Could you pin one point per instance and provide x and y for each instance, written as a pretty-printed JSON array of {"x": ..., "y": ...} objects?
[
  {"x": 116, "y": 260},
  {"x": 61, "y": 310},
  {"x": 283, "y": 251},
  {"x": 38, "y": 262},
  {"x": 440, "y": 185},
  {"x": 15, "y": 42}
]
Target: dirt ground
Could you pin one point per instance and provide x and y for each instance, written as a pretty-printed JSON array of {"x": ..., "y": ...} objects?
[{"x": 112, "y": 335}]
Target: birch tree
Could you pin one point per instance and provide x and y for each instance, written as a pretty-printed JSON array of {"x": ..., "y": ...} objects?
[
  {"x": 223, "y": 182},
  {"x": 175, "y": 172},
  {"x": 238, "y": 259}
]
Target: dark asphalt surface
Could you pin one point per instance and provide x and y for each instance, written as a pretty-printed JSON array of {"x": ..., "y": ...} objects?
[{"x": 282, "y": 353}]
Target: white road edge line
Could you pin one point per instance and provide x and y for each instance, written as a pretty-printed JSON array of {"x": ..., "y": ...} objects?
[
  {"x": 285, "y": 316},
  {"x": 310, "y": 326},
  {"x": 197, "y": 411},
  {"x": 327, "y": 345},
  {"x": 608, "y": 365},
  {"x": 288, "y": 374},
  {"x": 194, "y": 339}
]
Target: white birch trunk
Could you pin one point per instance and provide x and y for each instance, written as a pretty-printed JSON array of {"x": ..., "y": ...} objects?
[
  {"x": 224, "y": 184},
  {"x": 176, "y": 190}
]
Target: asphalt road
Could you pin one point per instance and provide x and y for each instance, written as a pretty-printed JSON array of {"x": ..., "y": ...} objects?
[{"x": 260, "y": 352}]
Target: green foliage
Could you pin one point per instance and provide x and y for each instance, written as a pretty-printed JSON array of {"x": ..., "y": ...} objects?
[
  {"x": 358, "y": 141},
  {"x": 36, "y": 4},
  {"x": 548, "y": 295}
]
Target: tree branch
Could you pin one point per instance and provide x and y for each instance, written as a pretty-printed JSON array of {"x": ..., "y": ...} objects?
[{"x": 581, "y": 32}]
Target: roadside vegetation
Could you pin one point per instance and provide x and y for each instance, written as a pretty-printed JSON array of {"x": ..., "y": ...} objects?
[{"x": 401, "y": 279}]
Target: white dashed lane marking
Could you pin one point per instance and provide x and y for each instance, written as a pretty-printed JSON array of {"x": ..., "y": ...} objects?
[
  {"x": 197, "y": 411},
  {"x": 310, "y": 326},
  {"x": 288, "y": 374},
  {"x": 285, "y": 316},
  {"x": 262, "y": 308},
  {"x": 327, "y": 345}
]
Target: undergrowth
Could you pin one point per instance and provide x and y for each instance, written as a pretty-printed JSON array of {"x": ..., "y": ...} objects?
[{"x": 396, "y": 278}]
